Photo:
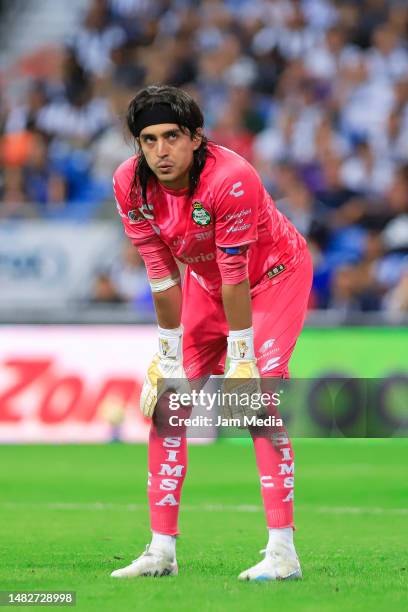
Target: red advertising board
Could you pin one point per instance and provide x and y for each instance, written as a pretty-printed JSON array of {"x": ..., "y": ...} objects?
[{"x": 73, "y": 383}]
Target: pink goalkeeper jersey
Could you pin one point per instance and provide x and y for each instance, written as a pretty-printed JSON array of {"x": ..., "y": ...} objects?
[{"x": 230, "y": 208}]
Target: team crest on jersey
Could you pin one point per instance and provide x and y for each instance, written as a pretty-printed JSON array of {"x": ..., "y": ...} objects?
[
  {"x": 134, "y": 216},
  {"x": 200, "y": 215}
]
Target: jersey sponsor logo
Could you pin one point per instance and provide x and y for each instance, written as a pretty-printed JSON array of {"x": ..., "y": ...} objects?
[
  {"x": 204, "y": 235},
  {"x": 202, "y": 257},
  {"x": 236, "y": 191},
  {"x": 134, "y": 216},
  {"x": 239, "y": 214},
  {"x": 172, "y": 446},
  {"x": 240, "y": 228},
  {"x": 200, "y": 215}
]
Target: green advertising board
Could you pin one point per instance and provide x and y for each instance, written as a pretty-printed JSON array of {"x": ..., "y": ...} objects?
[
  {"x": 361, "y": 352},
  {"x": 346, "y": 382}
]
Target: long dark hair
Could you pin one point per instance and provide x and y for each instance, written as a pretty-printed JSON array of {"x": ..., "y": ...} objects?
[{"x": 190, "y": 120}]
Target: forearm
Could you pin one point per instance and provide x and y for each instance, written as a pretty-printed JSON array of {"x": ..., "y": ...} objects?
[
  {"x": 237, "y": 305},
  {"x": 168, "y": 307},
  {"x": 167, "y": 364}
]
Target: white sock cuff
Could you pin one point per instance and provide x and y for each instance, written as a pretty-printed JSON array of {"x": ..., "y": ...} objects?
[
  {"x": 163, "y": 541},
  {"x": 283, "y": 534},
  {"x": 171, "y": 333},
  {"x": 237, "y": 334}
]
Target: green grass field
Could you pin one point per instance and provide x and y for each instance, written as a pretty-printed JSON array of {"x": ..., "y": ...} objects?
[{"x": 69, "y": 515}]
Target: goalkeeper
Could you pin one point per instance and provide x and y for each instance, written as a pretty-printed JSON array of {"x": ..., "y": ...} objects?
[{"x": 244, "y": 296}]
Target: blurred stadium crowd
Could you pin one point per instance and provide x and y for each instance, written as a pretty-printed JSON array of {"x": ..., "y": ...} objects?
[{"x": 314, "y": 93}]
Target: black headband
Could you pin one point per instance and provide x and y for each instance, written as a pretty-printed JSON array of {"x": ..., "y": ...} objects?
[{"x": 153, "y": 115}]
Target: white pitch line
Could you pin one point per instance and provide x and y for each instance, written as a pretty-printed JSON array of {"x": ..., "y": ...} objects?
[
  {"x": 106, "y": 506},
  {"x": 358, "y": 510}
]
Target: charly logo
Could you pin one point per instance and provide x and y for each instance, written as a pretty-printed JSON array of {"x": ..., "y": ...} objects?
[
  {"x": 200, "y": 215},
  {"x": 134, "y": 216},
  {"x": 267, "y": 345},
  {"x": 271, "y": 364},
  {"x": 236, "y": 191}
]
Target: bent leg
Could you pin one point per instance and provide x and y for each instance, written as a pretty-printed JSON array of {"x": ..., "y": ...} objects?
[
  {"x": 204, "y": 347},
  {"x": 278, "y": 317}
]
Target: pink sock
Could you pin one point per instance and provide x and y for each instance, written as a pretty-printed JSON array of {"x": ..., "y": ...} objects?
[
  {"x": 167, "y": 458},
  {"x": 274, "y": 458}
]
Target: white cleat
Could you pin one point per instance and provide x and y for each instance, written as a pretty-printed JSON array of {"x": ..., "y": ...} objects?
[
  {"x": 281, "y": 563},
  {"x": 153, "y": 562}
]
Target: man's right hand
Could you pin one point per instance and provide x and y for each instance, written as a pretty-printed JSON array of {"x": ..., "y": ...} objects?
[
  {"x": 166, "y": 366},
  {"x": 174, "y": 379}
]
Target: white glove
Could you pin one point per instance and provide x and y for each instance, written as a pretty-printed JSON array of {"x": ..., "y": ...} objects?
[
  {"x": 166, "y": 365},
  {"x": 242, "y": 376}
]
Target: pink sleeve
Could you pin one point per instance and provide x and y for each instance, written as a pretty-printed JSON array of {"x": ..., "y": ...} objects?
[
  {"x": 158, "y": 258},
  {"x": 236, "y": 206},
  {"x": 233, "y": 268}
]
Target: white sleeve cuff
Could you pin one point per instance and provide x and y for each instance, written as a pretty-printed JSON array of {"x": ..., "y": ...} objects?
[{"x": 161, "y": 284}]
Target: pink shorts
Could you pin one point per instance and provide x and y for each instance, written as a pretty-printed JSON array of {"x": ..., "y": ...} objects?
[{"x": 278, "y": 314}]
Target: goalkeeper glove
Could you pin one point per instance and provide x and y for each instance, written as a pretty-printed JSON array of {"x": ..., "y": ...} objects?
[
  {"x": 166, "y": 365},
  {"x": 242, "y": 376}
]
